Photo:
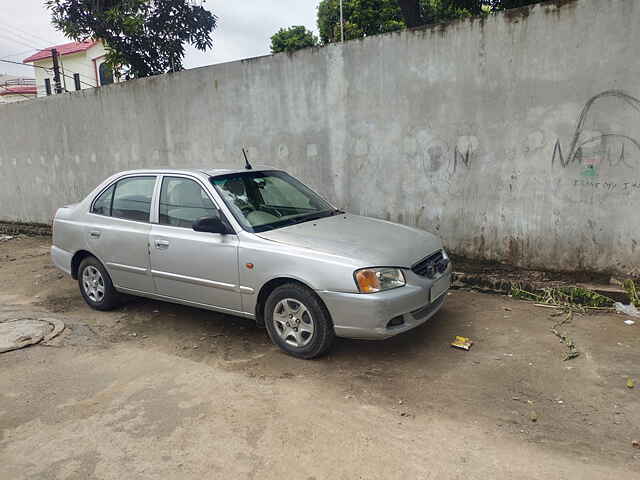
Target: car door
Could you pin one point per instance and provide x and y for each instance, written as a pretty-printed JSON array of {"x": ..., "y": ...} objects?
[
  {"x": 118, "y": 232},
  {"x": 198, "y": 267}
]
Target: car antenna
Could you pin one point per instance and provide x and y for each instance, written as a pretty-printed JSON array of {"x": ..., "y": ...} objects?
[{"x": 247, "y": 165}]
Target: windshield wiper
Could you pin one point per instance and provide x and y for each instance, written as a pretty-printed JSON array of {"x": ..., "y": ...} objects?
[
  {"x": 303, "y": 218},
  {"x": 309, "y": 217}
]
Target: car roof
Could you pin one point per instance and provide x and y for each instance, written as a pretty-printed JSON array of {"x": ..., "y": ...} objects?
[{"x": 211, "y": 172}]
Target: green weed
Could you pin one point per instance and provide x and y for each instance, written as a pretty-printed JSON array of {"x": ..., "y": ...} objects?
[
  {"x": 632, "y": 290},
  {"x": 570, "y": 298}
]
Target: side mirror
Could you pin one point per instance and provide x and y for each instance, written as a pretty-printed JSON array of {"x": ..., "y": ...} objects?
[{"x": 211, "y": 225}]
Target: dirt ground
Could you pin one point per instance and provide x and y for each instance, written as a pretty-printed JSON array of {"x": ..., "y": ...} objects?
[{"x": 155, "y": 390}]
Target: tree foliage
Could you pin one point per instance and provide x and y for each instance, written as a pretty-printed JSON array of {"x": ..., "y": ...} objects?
[
  {"x": 361, "y": 18},
  {"x": 506, "y": 4},
  {"x": 142, "y": 37},
  {"x": 292, "y": 38},
  {"x": 369, "y": 17}
]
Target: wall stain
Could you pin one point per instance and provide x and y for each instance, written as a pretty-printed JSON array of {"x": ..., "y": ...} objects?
[
  {"x": 513, "y": 250},
  {"x": 516, "y": 14},
  {"x": 558, "y": 4},
  {"x": 435, "y": 153}
]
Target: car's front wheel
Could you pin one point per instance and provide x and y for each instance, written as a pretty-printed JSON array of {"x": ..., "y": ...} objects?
[
  {"x": 96, "y": 286},
  {"x": 298, "y": 321}
]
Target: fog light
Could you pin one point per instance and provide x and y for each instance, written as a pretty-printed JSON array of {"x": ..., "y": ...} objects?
[{"x": 395, "y": 321}]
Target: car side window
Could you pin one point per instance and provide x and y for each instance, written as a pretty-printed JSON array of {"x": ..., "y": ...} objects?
[
  {"x": 102, "y": 205},
  {"x": 183, "y": 201},
  {"x": 132, "y": 198}
]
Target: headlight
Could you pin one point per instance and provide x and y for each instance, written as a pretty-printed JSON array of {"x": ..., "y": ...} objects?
[{"x": 371, "y": 280}]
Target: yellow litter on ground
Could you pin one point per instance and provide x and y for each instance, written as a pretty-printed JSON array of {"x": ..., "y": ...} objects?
[{"x": 462, "y": 342}]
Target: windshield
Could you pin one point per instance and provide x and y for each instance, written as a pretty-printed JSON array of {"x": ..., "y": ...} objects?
[{"x": 266, "y": 200}]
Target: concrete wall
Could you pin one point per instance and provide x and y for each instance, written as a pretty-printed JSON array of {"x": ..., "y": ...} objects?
[{"x": 516, "y": 137}]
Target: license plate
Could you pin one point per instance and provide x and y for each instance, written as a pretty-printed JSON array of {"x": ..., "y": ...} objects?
[{"x": 439, "y": 287}]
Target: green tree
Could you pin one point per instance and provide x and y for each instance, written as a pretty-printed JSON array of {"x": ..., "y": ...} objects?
[
  {"x": 421, "y": 12},
  {"x": 370, "y": 17},
  {"x": 142, "y": 37},
  {"x": 505, "y": 4},
  {"x": 361, "y": 18},
  {"x": 292, "y": 39}
]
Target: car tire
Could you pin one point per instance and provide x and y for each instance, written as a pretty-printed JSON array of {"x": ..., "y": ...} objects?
[
  {"x": 96, "y": 286},
  {"x": 298, "y": 322}
]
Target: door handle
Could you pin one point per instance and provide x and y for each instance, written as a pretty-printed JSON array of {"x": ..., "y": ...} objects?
[
  {"x": 94, "y": 234},
  {"x": 161, "y": 244}
]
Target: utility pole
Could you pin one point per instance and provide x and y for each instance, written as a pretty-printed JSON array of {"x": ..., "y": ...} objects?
[
  {"x": 56, "y": 71},
  {"x": 341, "y": 23}
]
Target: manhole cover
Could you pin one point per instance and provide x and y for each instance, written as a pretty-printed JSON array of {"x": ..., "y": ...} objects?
[{"x": 22, "y": 332}]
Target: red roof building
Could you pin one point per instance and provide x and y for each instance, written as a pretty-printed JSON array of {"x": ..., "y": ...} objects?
[
  {"x": 82, "y": 65},
  {"x": 19, "y": 90},
  {"x": 16, "y": 89},
  {"x": 64, "y": 49}
]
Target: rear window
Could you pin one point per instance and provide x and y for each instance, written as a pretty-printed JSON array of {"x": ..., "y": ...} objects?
[
  {"x": 132, "y": 198},
  {"x": 129, "y": 198}
]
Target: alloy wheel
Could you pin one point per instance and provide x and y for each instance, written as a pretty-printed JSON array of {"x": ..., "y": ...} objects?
[
  {"x": 93, "y": 283},
  {"x": 293, "y": 322}
]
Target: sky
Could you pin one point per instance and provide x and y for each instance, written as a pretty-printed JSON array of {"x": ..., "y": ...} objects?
[{"x": 244, "y": 30}]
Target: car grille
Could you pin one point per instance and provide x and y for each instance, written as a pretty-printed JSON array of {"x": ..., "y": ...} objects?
[{"x": 433, "y": 264}]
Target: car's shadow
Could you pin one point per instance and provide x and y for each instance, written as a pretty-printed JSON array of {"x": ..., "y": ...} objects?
[{"x": 234, "y": 339}]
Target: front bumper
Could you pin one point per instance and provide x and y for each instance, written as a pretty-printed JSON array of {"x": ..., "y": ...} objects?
[{"x": 367, "y": 316}]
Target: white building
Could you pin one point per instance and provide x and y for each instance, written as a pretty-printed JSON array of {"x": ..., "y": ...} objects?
[{"x": 83, "y": 58}]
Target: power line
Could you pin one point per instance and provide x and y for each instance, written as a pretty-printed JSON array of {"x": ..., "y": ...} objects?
[
  {"x": 18, "y": 41},
  {"x": 17, "y": 54},
  {"x": 41, "y": 50},
  {"x": 18, "y": 38},
  {"x": 22, "y": 33},
  {"x": 47, "y": 50},
  {"x": 45, "y": 68}
]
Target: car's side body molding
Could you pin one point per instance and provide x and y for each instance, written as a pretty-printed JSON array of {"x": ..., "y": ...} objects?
[{"x": 205, "y": 306}]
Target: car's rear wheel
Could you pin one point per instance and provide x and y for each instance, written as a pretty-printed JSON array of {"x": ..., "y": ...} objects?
[
  {"x": 96, "y": 286},
  {"x": 298, "y": 321}
]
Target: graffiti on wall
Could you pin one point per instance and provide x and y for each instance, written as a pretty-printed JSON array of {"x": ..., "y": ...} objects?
[
  {"x": 464, "y": 152},
  {"x": 439, "y": 153},
  {"x": 604, "y": 144}
]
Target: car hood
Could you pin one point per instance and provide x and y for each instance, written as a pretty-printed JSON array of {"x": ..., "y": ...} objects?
[{"x": 368, "y": 242}]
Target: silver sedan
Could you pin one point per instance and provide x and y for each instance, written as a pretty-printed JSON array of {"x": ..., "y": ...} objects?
[{"x": 253, "y": 243}]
